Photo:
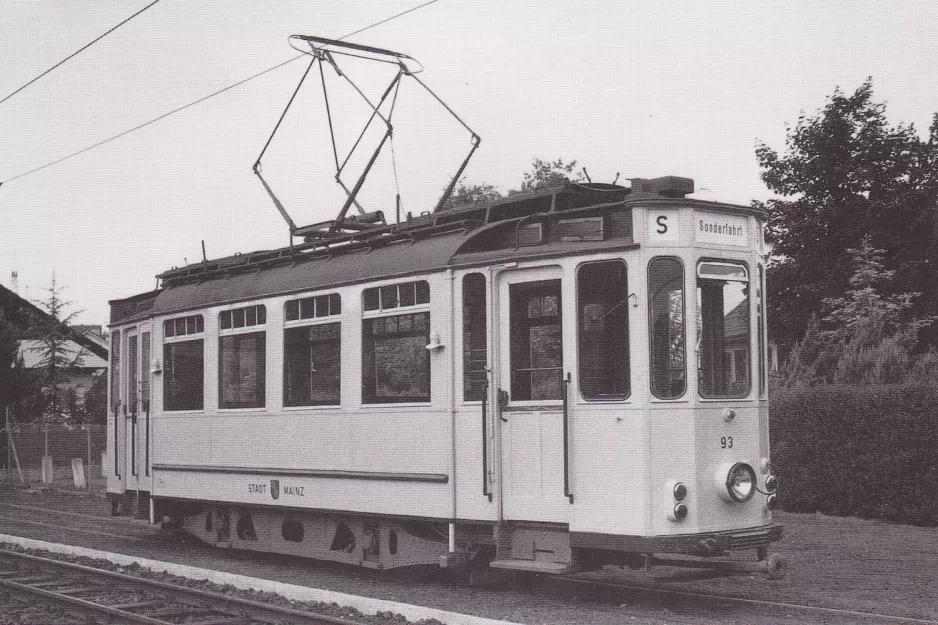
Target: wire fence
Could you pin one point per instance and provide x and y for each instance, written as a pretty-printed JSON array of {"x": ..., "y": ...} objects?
[{"x": 52, "y": 454}]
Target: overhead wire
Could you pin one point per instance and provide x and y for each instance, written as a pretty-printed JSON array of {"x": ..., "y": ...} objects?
[
  {"x": 79, "y": 51},
  {"x": 207, "y": 97}
]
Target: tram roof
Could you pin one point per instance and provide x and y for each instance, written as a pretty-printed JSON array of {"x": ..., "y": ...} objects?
[{"x": 454, "y": 237}]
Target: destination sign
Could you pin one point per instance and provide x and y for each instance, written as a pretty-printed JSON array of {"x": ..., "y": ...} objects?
[{"x": 721, "y": 229}]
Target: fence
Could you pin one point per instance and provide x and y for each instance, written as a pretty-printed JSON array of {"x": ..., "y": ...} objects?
[{"x": 22, "y": 456}]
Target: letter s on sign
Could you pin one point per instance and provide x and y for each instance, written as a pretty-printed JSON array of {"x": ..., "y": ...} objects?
[{"x": 662, "y": 226}]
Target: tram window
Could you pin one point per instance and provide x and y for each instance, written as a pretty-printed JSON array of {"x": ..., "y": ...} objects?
[
  {"x": 603, "y": 330},
  {"x": 241, "y": 370},
  {"x": 395, "y": 360},
  {"x": 181, "y": 326},
  {"x": 182, "y": 375},
  {"x": 724, "y": 341},
  {"x": 145, "y": 370},
  {"x": 760, "y": 320},
  {"x": 242, "y": 317},
  {"x": 666, "y": 328},
  {"x": 310, "y": 307},
  {"x": 312, "y": 365},
  {"x": 475, "y": 348},
  {"x": 397, "y": 295},
  {"x": 115, "y": 368},
  {"x": 132, "y": 377},
  {"x": 536, "y": 341}
]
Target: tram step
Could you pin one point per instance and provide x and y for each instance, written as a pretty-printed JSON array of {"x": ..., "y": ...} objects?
[{"x": 534, "y": 566}]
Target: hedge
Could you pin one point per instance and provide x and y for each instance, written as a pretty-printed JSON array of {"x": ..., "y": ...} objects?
[{"x": 860, "y": 451}]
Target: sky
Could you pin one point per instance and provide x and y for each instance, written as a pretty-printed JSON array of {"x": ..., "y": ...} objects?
[{"x": 634, "y": 89}]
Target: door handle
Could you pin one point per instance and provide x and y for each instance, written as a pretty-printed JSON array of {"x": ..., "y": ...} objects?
[{"x": 502, "y": 403}]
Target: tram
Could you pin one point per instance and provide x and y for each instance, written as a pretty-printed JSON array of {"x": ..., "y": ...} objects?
[{"x": 548, "y": 382}]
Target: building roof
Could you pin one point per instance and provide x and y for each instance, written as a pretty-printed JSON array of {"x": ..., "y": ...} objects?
[
  {"x": 24, "y": 315},
  {"x": 31, "y": 350},
  {"x": 736, "y": 321}
]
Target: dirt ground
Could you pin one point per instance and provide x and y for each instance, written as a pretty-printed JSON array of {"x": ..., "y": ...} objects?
[{"x": 838, "y": 563}]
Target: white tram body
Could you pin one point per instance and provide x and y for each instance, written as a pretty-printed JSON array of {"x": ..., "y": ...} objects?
[{"x": 513, "y": 381}]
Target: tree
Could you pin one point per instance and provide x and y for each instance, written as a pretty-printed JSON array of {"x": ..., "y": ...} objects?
[
  {"x": 472, "y": 193},
  {"x": 94, "y": 406},
  {"x": 846, "y": 173},
  {"x": 865, "y": 337},
  {"x": 55, "y": 355},
  {"x": 545, "y": 174}
]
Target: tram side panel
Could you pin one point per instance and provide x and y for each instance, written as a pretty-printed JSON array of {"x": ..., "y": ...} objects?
[{"x": 377, "y": 458}]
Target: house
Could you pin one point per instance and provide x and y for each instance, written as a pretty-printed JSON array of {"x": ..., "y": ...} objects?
[
  {"x": 84, "y": 365},
  {"x": 85, "y": 346}
]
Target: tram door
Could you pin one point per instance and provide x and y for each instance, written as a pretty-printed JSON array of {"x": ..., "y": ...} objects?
[{"x": 531, "y": 370}]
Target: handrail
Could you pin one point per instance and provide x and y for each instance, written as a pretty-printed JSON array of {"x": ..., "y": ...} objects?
[
  {"x": 566, "y": 440},
  {"x": 146, "y": 453},
  {"x": 117, "y": 416},
  {"x": 485, "y": 443},
  {"x": 133, "y": 442}
]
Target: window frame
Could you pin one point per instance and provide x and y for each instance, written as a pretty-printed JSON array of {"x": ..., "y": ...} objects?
[
  {"x": 466, "y": 386},
  {"x": 114, "y": 389},
  {"x": 366, "y": 333},
  {"x": 762, "y": 347},
  {"x": 199, "y": 320},
  {"x": 749, "y": 347},
  {"x": 651, "y": 337},
  {"x": 256, "y": 328},
  {"x": 305, "y": 323},
  {"x": 198, "y": 335},
  {"x": 173, "y": 341},
  {"x": 379, "y": 291},
  {"x": 298, "y": 301},
  {"x": 542, "y": 287},
  {"x": 146, "y": 355},
  {"x": 628, "y": 337},
  {"x": 133, "y": 370},
  {"x": 230, "y": 312}
]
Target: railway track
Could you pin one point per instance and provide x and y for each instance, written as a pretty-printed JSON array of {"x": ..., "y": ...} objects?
[
  {"x": 117, "y": 597},
  {"x": 612, "y": 591}
]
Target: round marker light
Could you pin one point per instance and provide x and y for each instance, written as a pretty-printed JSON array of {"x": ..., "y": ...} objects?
[
  {"x": 772, "y": 502},
  {"x": 680, "y": 511},
  {"x": 771, "y": 483},
  {"x": 735, "y": 482},
  {"x": 680, "y": 491}
]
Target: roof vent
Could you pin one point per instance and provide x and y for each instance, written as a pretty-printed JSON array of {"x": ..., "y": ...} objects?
[{"x": 666, "y": 186}]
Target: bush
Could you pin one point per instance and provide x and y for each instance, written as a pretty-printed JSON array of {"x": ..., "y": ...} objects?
[{"x": 868, "y": 451}]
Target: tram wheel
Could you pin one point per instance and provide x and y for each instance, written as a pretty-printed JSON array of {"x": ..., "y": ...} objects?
[
  {"x": 776, "y": 566},
  {"x": 635, "y": 561},
  {"x": 761, "y": 553}
]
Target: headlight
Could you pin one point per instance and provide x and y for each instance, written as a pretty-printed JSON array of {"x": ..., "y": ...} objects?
[{"x": 735, "y": 481}]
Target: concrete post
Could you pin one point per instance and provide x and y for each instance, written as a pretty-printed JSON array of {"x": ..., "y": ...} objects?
[{"x": 88, "y": 432}]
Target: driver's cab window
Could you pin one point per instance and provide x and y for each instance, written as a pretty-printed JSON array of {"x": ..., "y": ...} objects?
[
  {"x": 536, "y": 341},
  {"x": 724, "y": 343}
]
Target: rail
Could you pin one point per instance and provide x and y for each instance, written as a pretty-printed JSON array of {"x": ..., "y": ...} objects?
[{"x": 94, "y": 591}]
